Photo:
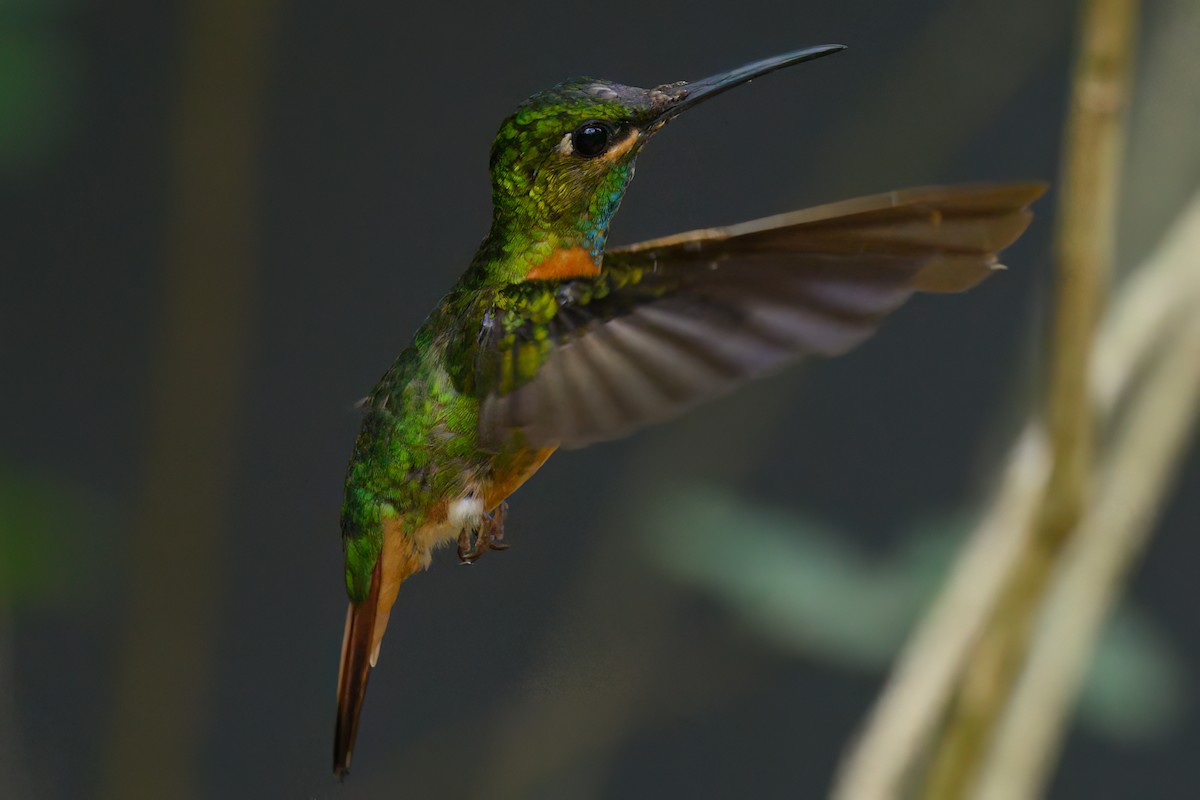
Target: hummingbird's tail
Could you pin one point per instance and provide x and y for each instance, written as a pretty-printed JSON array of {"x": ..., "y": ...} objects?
[
  {"x": 358, "y": 646},
  {"x": 365, "y": 624}
]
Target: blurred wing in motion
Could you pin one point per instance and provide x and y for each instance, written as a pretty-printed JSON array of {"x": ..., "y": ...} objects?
[{"x": 671, "y": 322}]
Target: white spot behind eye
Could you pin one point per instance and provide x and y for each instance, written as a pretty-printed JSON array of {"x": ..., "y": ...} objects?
[{"x": 565, "y": 146}]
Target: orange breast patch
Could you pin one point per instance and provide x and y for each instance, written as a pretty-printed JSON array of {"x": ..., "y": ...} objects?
[{"x": 565, "y": 262}]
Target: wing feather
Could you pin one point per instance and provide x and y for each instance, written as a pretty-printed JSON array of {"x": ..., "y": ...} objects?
[{"x": 674, "y": 321}]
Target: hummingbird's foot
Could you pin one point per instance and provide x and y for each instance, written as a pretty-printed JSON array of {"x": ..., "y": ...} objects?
[
  {"x": 495, "y": 528},
  {"x": 464, "y": 546},
  {"x": 473, "y": 543}
]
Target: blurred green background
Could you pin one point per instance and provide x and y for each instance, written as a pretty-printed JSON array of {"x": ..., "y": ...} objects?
[{"x": 222, "y": 220}]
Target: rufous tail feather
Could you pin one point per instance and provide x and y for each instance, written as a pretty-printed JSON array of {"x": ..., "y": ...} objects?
[
  {"x": 365, "y": 625},
  {"x": 358, "y": 647}
]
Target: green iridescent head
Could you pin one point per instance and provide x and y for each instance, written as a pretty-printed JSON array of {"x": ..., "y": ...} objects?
[{"x": 561, "y": 162}]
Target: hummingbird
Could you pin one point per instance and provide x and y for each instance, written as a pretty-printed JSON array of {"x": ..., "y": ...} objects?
[{"x": 552, "y": 339}]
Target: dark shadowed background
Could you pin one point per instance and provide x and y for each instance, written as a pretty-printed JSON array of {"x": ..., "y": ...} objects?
[{"x": 221, "y": 220}]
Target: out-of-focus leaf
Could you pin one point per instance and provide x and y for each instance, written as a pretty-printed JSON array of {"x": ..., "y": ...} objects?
[
  {"x": 805, "y": 588},
  {"x": 49, "y": 537},
  {"x": 791, "y": 579},
  {"x": 37, "y": 93},
  {"x": 1135, "y": 689}
]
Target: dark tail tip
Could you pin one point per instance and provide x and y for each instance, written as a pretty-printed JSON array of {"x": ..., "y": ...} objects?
[
  {"x": 347, "y": 724},
  {"x": 343, "y": 747},
  {"x": 352, "y": 687}
]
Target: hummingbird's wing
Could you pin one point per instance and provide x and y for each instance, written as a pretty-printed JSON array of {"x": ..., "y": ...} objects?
[{"x": 671, "y": 322}]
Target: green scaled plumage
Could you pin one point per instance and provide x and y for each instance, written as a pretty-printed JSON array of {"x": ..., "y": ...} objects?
[
  {"x": 418, "y": 445},
  {"x": 415, "y": 446},
  {"x": 542, "y": 204},
  {"x": 551, "y": 339}
]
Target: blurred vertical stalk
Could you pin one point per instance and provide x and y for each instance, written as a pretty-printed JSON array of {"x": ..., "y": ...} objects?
[
  {"x": 1137, "y": 476},
  {"x": 172, "y": 595},
  {"x": 15, "y": 779},
  {"x": 1147, "y": 319},
  {"x": 880, "y": 763},
  {"x": 1086, "y": 238}
]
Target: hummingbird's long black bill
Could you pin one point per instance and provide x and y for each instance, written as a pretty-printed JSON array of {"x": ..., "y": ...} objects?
[{"x": 688, "y": 95}]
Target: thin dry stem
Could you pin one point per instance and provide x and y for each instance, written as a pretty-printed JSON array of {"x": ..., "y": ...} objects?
[
  {"x": 1158, "y": 296},
  {"x": 905, "y": 716},
  {"x": 897, "y": 734},
  {"x": 1161, "y": 295},
  {"x": 1086, "y": 243},
  {"x": 1147, "y": 448}
]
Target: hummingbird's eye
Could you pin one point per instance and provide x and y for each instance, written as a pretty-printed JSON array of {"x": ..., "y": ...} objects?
[{"x": 592, "y": 138}]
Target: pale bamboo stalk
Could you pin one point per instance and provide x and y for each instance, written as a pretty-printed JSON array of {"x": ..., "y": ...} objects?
[
  {"x": 1146, "y": 451},
  {"x": 915, "y": 698},
  {"x": 1149, "y": 310},
  {"x": 1087, "y": 224},
  {"x": 1154, "y": 299},
  {"x": 905, "y": 716},
  {"x": 1137, "y": 474}
]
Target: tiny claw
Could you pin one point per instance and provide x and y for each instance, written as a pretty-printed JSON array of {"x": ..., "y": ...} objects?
[
  {"x": 473, "y": 543},
  {"x": 465, "y": 551}
]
